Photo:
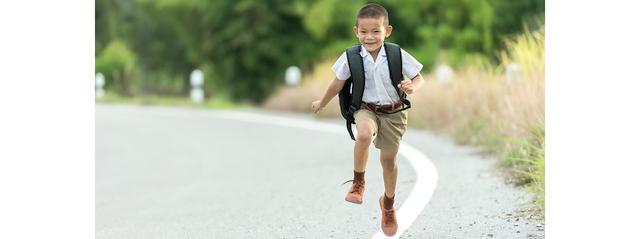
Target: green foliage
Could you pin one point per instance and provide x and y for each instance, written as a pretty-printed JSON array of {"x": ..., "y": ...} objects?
[
  {"x": 511, "y": 16},
  {"x": 117, "y": 63},
  {"x": 246, "y": 56},
  {"x": 434, "y": 27},
  {"x": 244, "y": 46},
  {"x": 526, "y": 157},
  {"x": 116, "y": 56},
  {"x": 318, "y": 19}
]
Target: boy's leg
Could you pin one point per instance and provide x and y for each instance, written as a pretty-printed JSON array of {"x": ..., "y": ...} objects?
[
  {"x": 361, "y": 148},
  {"x": 389, "y": 224},
  {"x": 392, "y": 127},
  {"x": 389, "y": 171},
  {"x": 366, "y": 126},
  {"x": 361, "y": 154}
]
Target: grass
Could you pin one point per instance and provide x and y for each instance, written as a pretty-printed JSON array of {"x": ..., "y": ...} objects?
[
  {"x": 504, "y": 115},
  {"x": 481, "y": 106},
  {"x": 525, "y": 157},
  {"x": 217, "y": 103}
]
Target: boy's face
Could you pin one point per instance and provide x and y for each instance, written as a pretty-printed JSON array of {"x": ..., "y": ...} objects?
[{"x": 371, "y": 32}]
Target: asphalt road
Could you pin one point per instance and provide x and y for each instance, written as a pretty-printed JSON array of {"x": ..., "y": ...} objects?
[{"x": 193, "y": 173}]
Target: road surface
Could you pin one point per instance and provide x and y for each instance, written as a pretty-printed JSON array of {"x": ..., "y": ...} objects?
[{"x": 166, "y": 172}]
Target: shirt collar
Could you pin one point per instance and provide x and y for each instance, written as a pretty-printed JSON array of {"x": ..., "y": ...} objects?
[{"x": 364, "y": 52}]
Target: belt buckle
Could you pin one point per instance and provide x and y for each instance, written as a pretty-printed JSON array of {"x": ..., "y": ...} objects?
[{"x": 383, "y": 108}]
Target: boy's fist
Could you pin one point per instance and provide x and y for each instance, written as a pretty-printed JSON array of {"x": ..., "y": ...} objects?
[
  {"x": 406, "y": 86},
  {"x": 315, "y": 106}
]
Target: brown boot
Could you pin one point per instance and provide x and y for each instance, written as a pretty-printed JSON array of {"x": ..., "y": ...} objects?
[
  {"x": 356, "y": 192},
  {"x": 389, "y": 223}
]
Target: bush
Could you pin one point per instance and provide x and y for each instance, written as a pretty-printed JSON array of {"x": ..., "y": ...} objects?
[{"x": 117, "y": 62}]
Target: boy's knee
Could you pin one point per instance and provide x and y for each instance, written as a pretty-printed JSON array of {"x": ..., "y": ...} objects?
[
  {"x": 388, "y": 163},
  {"x": 365, "y": 133},
  {"x": 365, "y": 136}
]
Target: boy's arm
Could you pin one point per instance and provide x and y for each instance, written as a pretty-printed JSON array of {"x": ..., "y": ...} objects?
[
  {"x": 409, "y": 86},
  {"x": 333, "y": 89}
]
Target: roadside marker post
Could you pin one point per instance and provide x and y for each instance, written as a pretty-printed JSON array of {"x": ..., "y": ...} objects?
[
  {"x": 99, "y": 85},
  {"x": 292, "y": 76},
  {"x": 197, "y": 80}
]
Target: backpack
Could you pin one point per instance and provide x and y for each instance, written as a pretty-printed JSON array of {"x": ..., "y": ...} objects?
[{"x": 350, "y": 95}]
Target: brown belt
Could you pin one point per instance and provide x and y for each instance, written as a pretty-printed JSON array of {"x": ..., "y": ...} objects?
[{"x": 388, "y": 107}]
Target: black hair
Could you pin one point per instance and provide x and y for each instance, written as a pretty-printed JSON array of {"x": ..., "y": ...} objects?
[{"x": 373, "y": 10}]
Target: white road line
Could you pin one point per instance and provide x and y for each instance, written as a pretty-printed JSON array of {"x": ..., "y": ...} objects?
[
  {"x": 426, "y": 181},
  {"x": 426, "y": 173}
]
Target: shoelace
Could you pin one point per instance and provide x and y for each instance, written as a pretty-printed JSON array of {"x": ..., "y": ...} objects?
[
  {"x": 356, "y": 186},
  {"x": 391, "y": 216}
]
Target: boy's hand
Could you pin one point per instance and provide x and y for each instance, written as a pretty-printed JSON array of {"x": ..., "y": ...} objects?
[
  {"x": 315, "y": 106},
  {"x": 406, "y": 86}
]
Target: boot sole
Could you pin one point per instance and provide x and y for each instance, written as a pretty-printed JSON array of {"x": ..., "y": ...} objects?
[{"x": 353, "y": 201}]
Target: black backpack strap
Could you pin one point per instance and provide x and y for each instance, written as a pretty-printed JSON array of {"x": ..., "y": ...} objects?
[
  {"x": 350, "y": 130},
  {"x": 356, "y": 66},
  {"x": 394, "y": 60}
]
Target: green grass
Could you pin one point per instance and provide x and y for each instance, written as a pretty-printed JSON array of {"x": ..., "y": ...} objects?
[
  {"x": 217, "y": 103},
  {"x": 525, "y": 157}
]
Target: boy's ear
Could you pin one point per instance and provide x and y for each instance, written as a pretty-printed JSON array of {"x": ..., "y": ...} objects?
[
  {"x": 389, "y": 29},
  {"x": 355, "y": 30}
]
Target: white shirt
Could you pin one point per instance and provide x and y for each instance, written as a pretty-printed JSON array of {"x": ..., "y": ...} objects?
[{"x": 378, "y": 87}]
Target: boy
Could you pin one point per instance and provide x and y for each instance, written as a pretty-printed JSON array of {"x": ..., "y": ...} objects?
[{"x": 384, "y": 129}]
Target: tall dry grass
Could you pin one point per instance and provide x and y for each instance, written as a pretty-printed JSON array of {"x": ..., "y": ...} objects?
[
  {"x": 299, "y": 98},
  {"x": 480, "y": 106}
]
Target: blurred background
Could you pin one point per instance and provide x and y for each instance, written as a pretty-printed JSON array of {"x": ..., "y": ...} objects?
[{"x": 483, "y": 62}]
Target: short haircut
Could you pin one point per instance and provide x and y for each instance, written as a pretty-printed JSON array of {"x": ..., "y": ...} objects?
[{"x": 373, "y": 10}]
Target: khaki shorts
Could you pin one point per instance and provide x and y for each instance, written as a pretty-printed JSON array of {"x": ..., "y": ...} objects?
[{"x": 387, "y": 128}]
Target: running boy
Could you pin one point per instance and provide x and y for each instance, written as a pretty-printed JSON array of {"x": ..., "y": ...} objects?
[{"x": 372, "y": 122}]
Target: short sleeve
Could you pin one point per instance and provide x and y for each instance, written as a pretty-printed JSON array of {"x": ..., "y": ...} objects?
[
  {"x": 341, "y": 67},
  {"x": 410, "y": 66}
]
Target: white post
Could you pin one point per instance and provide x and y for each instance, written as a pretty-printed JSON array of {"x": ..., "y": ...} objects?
[
  {"x": 197, "y": 80},
  {"x": 99, "y": 85},
  {"x": 512, "y": 73},
  {"x": 292, "y": 76},
  {"x": 444, "y": 73}
]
